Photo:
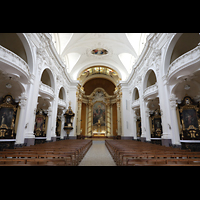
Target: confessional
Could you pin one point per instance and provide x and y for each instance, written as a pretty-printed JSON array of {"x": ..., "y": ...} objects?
[
  {"x": 189, "y": 119},
  {"x": 8, "y": 112}
]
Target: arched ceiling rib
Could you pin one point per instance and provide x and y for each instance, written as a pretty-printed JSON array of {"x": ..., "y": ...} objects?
[{"x": 75, "y": 50}]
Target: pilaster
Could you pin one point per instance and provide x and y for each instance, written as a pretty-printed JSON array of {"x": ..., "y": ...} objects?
[
  {"x": 174, "y": 121},
  {"x": 54, "y": 116},
  {"x": 22, "y": 117},
  {"x": 165, "y": 110},
  {"x": 32, "y": 99}
]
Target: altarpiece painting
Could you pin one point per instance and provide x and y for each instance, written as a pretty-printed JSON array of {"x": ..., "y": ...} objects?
[
  {"x": 40, "y": 121},
  {"x": 99, "y": 114},
  {"x": 189, "y": 118},
  {"x": 8, "y": 111}
]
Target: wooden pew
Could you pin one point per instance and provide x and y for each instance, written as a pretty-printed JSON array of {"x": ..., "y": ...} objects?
[
  {"x": 127, "y": 152},
  {"x": 67, "y": 153}
]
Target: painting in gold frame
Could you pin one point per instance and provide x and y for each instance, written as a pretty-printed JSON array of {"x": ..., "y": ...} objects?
[
  {"x": 189, "y": 117},
  {"x": 8, "y": 110}
]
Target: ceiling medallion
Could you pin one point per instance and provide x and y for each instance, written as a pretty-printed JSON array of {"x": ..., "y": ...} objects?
[
  {"x": 99, "y": 51},
  {"x": 8, "y": 85}
]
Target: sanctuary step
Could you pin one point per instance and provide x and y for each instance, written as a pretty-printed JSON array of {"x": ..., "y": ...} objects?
[{"x": 99, "y": 136}]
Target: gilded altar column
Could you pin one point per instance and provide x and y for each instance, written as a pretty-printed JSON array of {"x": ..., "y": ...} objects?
[
  {"x": 118, "y": 117},
  {"x": 108, "y": 120},
  {"x": 89, "y": 126},
  {"x": 86, "y": 123},
  {"x": 118, "y": 94},
  {"x": 79, "y": 116},
  {"x": 111, "y": 118}
]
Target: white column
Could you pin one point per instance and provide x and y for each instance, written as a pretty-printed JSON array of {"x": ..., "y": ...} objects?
[
  {"x": 48, "y": 134},
  {"x": 174, "y": 121},
  {"x": 22, "y": 118},
  {"x": 74, "y": 106},
  {"x": 32, "y": 92},
  {"x": 54, "y": 117},
  {"x": 143, "y": 117},
  {"x": 164, "y": 108}
]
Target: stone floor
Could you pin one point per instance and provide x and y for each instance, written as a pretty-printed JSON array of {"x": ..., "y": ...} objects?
[{"x": 98, "y": 155}]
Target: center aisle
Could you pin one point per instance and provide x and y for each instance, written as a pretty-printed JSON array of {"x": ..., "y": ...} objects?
[{"x": 98, "y": 155}]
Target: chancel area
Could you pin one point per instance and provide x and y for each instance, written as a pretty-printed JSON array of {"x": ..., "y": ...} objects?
[{"x": 142, "y": 87}]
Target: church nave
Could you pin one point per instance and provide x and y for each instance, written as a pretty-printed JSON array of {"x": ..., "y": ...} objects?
[{"x": 98, "y": 155}]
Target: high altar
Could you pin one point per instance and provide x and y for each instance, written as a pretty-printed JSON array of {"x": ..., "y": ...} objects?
[
  {"x": 99, "y": 130},
  {"x": 98, "y": 113}
]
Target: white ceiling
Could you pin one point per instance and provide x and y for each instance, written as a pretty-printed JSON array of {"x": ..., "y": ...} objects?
[{"x": 75, "y": 50}]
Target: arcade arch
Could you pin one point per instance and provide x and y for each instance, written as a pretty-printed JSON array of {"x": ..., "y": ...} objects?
[
  {"x": 100, "y": 86},
  {"x": 18, "y": 44},
  {"x": 179, "y": 44}
]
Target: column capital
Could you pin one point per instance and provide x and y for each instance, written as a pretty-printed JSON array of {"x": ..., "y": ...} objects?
[
  {"x": 172, "y": 100},
  {"x": 23, "y": 100},
  {"x": 49, "y": 111}
]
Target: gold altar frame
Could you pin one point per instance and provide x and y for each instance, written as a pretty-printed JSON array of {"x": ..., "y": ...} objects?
[
  {"x": 96, "y": 126},
  {"x": 38, "y": 131},
  {"x": 156, "y": 129},
  {"x": 6, "y": 107},
  {"x": 189, "y": 114}
]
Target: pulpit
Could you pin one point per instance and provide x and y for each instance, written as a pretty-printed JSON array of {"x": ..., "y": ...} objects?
[{"x": 69, "y": 115}]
